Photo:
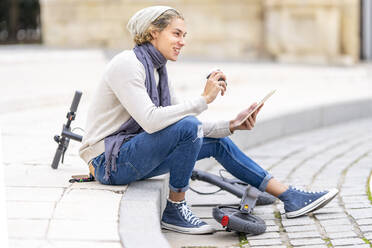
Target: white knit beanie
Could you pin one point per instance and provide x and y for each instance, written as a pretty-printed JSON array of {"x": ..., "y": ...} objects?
[{"x": 141, "y": 20}]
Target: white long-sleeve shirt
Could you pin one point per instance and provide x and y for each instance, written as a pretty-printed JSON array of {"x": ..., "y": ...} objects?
[{"x": 122, "y": 93}]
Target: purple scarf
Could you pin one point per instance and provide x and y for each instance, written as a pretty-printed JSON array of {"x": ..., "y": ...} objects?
[{"x": 151, "y": 59}]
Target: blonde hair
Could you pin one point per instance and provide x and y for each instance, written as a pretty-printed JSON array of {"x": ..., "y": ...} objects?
[{"x": 159, "y": 25}]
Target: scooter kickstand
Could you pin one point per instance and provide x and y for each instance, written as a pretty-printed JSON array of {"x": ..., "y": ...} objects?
[{"x": 249, "y": 199}]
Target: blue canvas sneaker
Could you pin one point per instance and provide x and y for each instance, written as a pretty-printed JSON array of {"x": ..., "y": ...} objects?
[
  {"x": 299, "y": 202},
  {"x": 178, "y": 217}
]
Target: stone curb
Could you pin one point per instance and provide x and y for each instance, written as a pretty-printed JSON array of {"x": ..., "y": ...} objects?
[
  {"x": 143, "y": 202},
  {"x": 140, "y": 212},
  {"x": 304, "y": 120}
]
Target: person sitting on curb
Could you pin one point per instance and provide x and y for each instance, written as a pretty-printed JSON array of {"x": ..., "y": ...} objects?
[{"x": 137, "y": 128}]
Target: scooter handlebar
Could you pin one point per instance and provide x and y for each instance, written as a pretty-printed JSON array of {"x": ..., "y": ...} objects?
[{"x": 75, "y": 101}]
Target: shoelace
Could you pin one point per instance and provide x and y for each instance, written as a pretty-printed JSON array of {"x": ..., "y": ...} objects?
[
  {"x": 188, "y": 215},
  {"x": 305, "y": 191}
]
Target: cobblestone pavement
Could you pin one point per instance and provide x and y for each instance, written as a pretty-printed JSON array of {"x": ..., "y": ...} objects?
[{"x": 333, "y": 157}]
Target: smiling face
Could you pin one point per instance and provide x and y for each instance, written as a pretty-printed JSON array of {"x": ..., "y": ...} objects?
[{"x": 171, "y": 39}]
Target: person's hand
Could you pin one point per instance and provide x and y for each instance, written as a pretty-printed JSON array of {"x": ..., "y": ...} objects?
[
  {"x": 249, "y": 123},
  {"x": 213, "y": 86}
]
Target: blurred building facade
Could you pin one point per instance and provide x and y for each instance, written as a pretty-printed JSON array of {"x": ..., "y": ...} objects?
[{"x": 315, "y": 31}]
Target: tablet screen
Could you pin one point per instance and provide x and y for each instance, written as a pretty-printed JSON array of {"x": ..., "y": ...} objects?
[{"x": 258, "y": 105}]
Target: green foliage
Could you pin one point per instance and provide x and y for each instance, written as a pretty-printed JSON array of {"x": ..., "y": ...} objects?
[
  {"x": 277, "y": 215},
  {"x": 328, "y": 242},
  {"x": 369, "y": 193},
  {"x": 242, "y": 240},
  {"x": 367, "y": 241}
]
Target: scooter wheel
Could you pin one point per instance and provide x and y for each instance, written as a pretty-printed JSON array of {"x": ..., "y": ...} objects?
[{"x": 233, "y": 219}]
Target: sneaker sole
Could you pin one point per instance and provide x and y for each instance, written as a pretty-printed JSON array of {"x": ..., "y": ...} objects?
[
  {"x": 206, "y": 229},
  {"x": 321, "y": 202}
]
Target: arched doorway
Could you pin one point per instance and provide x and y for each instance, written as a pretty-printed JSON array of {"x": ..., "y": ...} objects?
[{"x": 20, "y": 21}]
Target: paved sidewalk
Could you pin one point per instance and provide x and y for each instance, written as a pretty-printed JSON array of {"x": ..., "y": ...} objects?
[
  {"x": 44, "y": 210},
  {"x": 332, "y": 157}
]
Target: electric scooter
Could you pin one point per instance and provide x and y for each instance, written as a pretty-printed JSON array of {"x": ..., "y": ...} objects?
[{"x": 240, "y": 219}]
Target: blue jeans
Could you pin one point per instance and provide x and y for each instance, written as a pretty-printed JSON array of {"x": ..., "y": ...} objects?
[{"x": 175, "y": 150}]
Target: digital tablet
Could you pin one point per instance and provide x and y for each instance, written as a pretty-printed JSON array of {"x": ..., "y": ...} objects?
[{"x": 258, "y": 105}]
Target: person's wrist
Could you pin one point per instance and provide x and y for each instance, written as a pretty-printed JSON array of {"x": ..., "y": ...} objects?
[
  {"x": 232, "y": 126},
  {"x": 206, "y": 98}
]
